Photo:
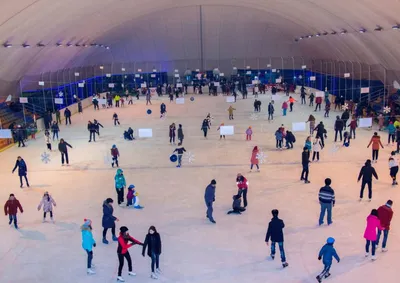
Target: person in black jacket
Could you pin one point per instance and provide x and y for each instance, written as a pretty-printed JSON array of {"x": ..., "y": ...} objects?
[
  {"x": 62, "y": 147},
  {"x": 345, "y": 117},
  {"x": 97, "y": 126},
  {"x": 326, "y": 198},
  {"x": 209, "y": 198},
  {"x": 305, "y": 161},
  {"x": 22, "y": 170},
  {"x": 67, "y": 115},
  {"x": 271, "y": 111},
  {"x": 55, "y": 129},
  {"x": 92, "y": 130},
  {"x": 339, "y": 124},
  {"x": 398, "y": 139},
  {"x": 275, "y": 232},
  {"x": 180, "y": 134},
  {"x": 366, "y": 172},
  {"x": 321, "y": 132},
  {"x": 290, "y": 139},
  {"x": 153, "y": 244},
  {"x": 236, "y": 208},
  {"x": 20, "y": 136},
  {"x": 116, "y": 120},
  {"x": 179, "y": 151}
]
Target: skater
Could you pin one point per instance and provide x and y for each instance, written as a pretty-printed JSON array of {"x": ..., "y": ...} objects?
[
  {"x": 130, "y": 101},
  {"x": 303, "y": 97},
  {"x": 366, "y": 172},
  {"x": 393, "y": 167},
  {"x": 381, "y": 120},
  {"x": 47, "y": 202},
  {"x": 205, "y": 127},
  {"x": 254, "y": 159},
  {"x": 308, "y": 145},
  {"x": 22, "y": 170},
  {"x": 108, "y": 220},
  {"x": 97, "y": 126},
  {"x": 275, "y": 232},
  {"x": 270, "y": 111},
  {"x": 148, "y": 97},
  {"x": 153, "y": 244},
  {"x": 179, "y": 151},
  {"x": 47, "y": 139},
  {"x": 311, "y": 98},
  {"x": 120, "y": 184},
  {"x": 311, "y": 119},
  {"x": 67, "y": 115},
  {"x": 305, "y": 161},
  {"x": 221, "y": 125},
  {"x": 345, "y": 117},
  {"x": 123, "y": 245},
  {"x": 353, "y": 126},
  {"x": 163, "y": 110},
  {"x": 116, "y": 120},
  {"x": 236, "y": 208},
  {"x": 92, "y": 131},
  {"x": 376, "y": 142},
  {"x": 243, "y": 186},
  {"x": 391, "y": 133},
  {"x": 62, "y": 147},
  {"x": 114, "y": 155},
  {"x": 321, "y": 132},
  {"x": 172, "y": 134},
  {"x": 346, "y": 138},
  {"x": 249, "y": 133},
  {"x": 326, "y": 198},
  {"x": 290, "y": 139},
  {"x": 58, "y": 116},
  {"x": 88, "y": 243},
  {"x": 317, "y": 147},
  {"x": 370, "y": 234},
  {"x": 291, "y": 102},
  {"x": 55, "y": 129},
  {"x": 21, "y": 136},
  {"x": 318, "y": 102},
  {"x": 327, "y": 253},
  {"x": 230, "y": 111},
  {"x": 180, "y": 134},
  {"x": 398, "y": 139},
  {"x": 385, "y": 214},
  {"x": 130, "y": 133},
  {"x": 338, "y": 127},
  {"x": 278, "y": 138},
  {"x": 11, "y": 208},
  {"x": 284, "y": 108},
  {"x": 209, "y": 198},
  {"x": 327, "y": 108}
]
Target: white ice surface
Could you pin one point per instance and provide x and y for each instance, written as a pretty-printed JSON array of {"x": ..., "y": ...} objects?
[{"x": 194, "y": 250}]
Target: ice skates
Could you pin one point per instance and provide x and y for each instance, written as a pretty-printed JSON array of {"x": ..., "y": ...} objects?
[{"x": 90, "y": 271}]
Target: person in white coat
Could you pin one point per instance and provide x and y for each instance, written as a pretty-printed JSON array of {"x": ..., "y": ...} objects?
[
  {"x": 47, "y": 202},
  {"x": 317, "y": 147}
]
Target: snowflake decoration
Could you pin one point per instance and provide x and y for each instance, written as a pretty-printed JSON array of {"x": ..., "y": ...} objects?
[
  {"x": 345, "y": 107},
  {"x": 254, "y": 117},
  {"x": 45, "y": 157},
  {"x": 335, "y": 148},
  {"x": 386, "y": 109},
  {"x": 188, "y": 157},
  {"x": 261, "y": 156}
]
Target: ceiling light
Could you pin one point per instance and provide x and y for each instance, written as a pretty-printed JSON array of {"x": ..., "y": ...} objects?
[
  {"x": 378, "y": 28},
  {"x": 296, "y": 40},
  {"x": 40, "y": 44},
  {"x": 396, "y": 27},
  {"x": 101, "y": 45},
  {"x": 333, "y": 32},
  {"x": 85, "y": 45},
  {"x": 7, "y": 45},
  {"x": 343, "y": 31},
  {"x": 59, "y": 44},
  {"x": 300, "y": 37},
  {"x": 77, "y": 45},
  {"x": 310, "y": 36},
  {"x": 69, "y": 44},
  {"x": 318, "y": 34},
  {"x": 107, "y": 47},
  {"x": 325, "y": 33},
  {"x": 26, "y": 45},
  {"x": 362, "y": 30}
]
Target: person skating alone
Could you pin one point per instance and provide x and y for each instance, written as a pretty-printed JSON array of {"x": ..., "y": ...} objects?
[
  {"x": 317, "y": 147},
  {"x": 305, "y": 162},
  {"x": 47, "y": 202},
  {"x": 366, "y": 172},
  {"x": 209, "y": 198},
  {"x": 97, "y": 126},
  {"x": 205, "y": 127},
  {"x": 153, "y": 244},
  {"x": 114, "y": 155},
  {"x": 88, "y": 243},
  {"x": 327, "y": 109},
  {"x": 271, "y": 110},
  {"x": 108, "y": 220},
  {"x": 230, "y": 111},
  {"x": 311, "y": 120},
  {"x": 92, "y": 131},
  {"x": 22, "y": 171},
  {"x": 67, "y": 115},
  {"x": 11, "y": 209},
  {"x": 180, "y": 134},
  {"x": 345, "y": 117},
  {"x": 327, "y": 253},
  {"x": 116, "y": 119},
  {"x": 55, "y": 129},
  {"x": 284, "y": 108},
  {"x": 376, "y": 142},
  {"x": 321, "y": 132},
  {"x": 180, "y": 150},
  {"x": 338, "y": 127},
  {"x": 385, "y": 213},
  {"x": 125, "y": 241},
  {"x": 243, "y": 186},
  {"x": 120, "y": 184},
  {"x": 275, "y": 233},
  {"x": 172, "y": 133},
  {"x": 326, "y": 198},
  {"x": 391, "y": 133},
  {"x": 353, "y": 127},
  {"x": 236, "y": 207},
  {"x": 221, "y": 136},
  {"x": 62, "y": 147},
  {"x": 47, "y": 140},
  {"x": 254, "y": 159},
  {"x": 370, "y": 234},
  {"x": 393, "y": 167},
  {"x": 291, "y": 102},
  {"x": 163, "y": 110},
  {"x": 249, "y": 133}
]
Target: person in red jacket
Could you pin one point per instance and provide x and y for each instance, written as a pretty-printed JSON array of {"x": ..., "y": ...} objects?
[
  {"x": 11, "y": 208},
  {"x": 122, "y": 251},
  {"x": 385, "y": 214},
  {"x": 243, "y": 185},
  {"x": 353, "y": 126}
]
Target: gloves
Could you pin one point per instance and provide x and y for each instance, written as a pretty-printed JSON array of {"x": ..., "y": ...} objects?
[
  {"x": 338, "y": 261},
  {"x": 143, "y": 254},
  {"x": 319, "y": 258},
  {"x": 94, "y": 244}
]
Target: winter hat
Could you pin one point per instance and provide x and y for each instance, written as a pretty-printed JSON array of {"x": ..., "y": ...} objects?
[
  {"x": 330, "y": 241},
  {"x": 213, "y": 182},
  {"x": 131, "y": 187},
  {"x": 87, "y": 222},
  {"x": 305, "y": 148},
  {"x": 109, "y": 200},
  {"x": 114, "y": 146},
  {"x": 368, "y": 162},
  {"x": 12, "y": 195},
  {"x": 123, "y": 229}
]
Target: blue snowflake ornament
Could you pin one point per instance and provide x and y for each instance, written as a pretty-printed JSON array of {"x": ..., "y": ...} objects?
[{"x": 45, "y": 157}]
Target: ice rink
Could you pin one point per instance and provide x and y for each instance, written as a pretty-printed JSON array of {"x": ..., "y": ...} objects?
[{"x": 194, "y": 250}]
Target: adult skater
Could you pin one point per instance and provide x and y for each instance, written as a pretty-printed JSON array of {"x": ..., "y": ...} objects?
[
  {"x": 163, "y": 110},
  {"x": 47, "y": 202},
  {"x": 116, "y": 120},
  {"x": 366, "y": 172},
  {"x": 321, "y": 132},
  {"x": 108, "y": 220},
  {"x": 62, "y": 147},
  {"x": 123, "y": 245},
  {"x": 58, "y": 116},
  {"x": 370, "y": 234},
  {"x": 22, "y": 170},
  {"x": 353, "y": 127},
  {"x": 275, "y": 232},
  {"x": 317, "y": 147},
  {"x": 20, "y": 135},
  {"x": 114, "y": 155},
  {"x": 254, "y": 160},
  {"x": 55, "y": 129},
  {"x": 311, "y": 120},
  {"x": 92, "y": 131},
  {"x": 180, "y": 134},
  {"x": 179, "y": 150},
  {"x": 385, "y": 213},
  {"x": 338, "y": 128},
  {"x": 327, "y": 253},
  {"x": 97, "y": 126},
  {"x": 376, "y": 142},
  {"x": 393, "y": 167},
  {"x": 153, "y": 244},
  {"x": 305, "y": 162},
  {"x": 291, "y": 102},
  {"x": 209, "y": 198},
  {"x": 243, "y": 186},
  {"x": 270, "y": 111},
  {"x": 205, "y": 127},
  {"x": 88, "y": 243},
  {"x": 172, "y": 133},
  {"x": 130, "y": 133},
  {"x": 120, "y": 184},
  {"x": 326, "y": 198},
  {"x": 148, "y": 97},
  {"x": 11, "y": 208},
  {"x": 67, "y": 115},
  {"x": 236, "y": 207},
  {"x": 345, "y": 117}
]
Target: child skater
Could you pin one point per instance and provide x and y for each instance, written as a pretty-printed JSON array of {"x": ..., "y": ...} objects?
[
  {"x": 249, "y": 132},
  {"x": 346, "y": 138},
  {"x": 327, "y": 109},
  {"x": 47, "y": 202},
  {"x": 88, "y": 243},
  {"x": 133, "y": 198},
  {"x": 47, "y": 139},
  {"x": 114, "y": 155},
  {"x": 180, "y": 150},
  {"x": 236, "y": 208},
  {"x": 327, "y": 253},
  {"x": 220, "y": 136},
  {"x": 394, "y": 167},
  {"x": 254, "y": 160},
  {"x": 116, "y": 120}
]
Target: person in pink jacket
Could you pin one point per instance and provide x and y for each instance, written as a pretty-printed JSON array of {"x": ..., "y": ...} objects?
[
  {"x": 370, "y": 234},
  {"x": 254, "y": 159},
  {"x": 284, "y": 107}
]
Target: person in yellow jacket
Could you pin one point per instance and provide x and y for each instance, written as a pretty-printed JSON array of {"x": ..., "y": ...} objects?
[
  {"x": 117, "y": 98},
  {"x": 230, "y": 111}
]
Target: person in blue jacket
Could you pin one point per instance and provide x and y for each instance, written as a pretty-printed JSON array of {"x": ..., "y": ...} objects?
[
  {"x": 108, "y": 220},
  {"x": 209, "y": 198},
  {"x": 327, "y": 253},
  {"x": 22, "y": 170},
  {"x": 392, "y": 133},
  {"x": 120, "y": 184},
  {"x": 88, "y": 243}
]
